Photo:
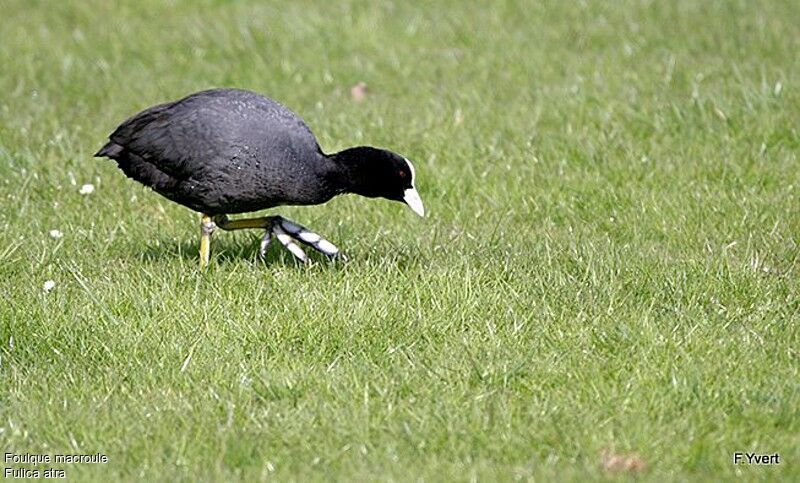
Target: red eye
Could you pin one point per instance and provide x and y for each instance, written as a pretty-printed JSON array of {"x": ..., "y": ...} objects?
[{"x": 402, "y": 174}]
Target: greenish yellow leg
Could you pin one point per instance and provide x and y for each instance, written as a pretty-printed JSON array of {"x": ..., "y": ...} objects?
[
  {"x": 227, "y": 224},
  {"x": 206, "y": 229}
]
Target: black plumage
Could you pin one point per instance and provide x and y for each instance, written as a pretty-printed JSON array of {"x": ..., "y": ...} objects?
[{"x": 227, "y": 151}]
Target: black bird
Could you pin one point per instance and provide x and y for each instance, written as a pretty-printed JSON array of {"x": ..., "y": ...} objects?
[{"x": 227, "y": 151}]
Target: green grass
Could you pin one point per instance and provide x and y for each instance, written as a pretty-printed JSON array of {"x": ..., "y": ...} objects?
[{"x": 610, "y": 260}]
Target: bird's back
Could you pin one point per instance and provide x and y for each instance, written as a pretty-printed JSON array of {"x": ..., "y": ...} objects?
[{"x": 221, "y": 151}]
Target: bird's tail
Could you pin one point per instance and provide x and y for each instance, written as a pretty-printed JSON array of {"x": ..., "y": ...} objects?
[{"x": 110, "y": 150}]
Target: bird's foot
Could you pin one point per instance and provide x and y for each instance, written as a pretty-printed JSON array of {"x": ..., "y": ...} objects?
[{"x": 288, "y": 232}]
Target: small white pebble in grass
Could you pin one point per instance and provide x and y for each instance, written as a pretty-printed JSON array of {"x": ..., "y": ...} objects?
[
  {"x": 49, "y": 285},
  {"x": 86, "y": 189},
  {"x": 327, "y": 247},
  {"x": 309, "y": 237},
  {"x": 56, "y": 234},
  {"x": 359, "y": 92}
]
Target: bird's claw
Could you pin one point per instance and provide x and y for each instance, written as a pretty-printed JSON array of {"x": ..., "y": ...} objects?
[{"x": 266, "y": 240}]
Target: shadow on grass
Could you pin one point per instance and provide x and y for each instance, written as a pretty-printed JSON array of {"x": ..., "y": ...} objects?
[{"x": 224, "y": 251}]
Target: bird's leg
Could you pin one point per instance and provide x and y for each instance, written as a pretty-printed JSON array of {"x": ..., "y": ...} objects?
[
  {"x": 206, "y": 229},
  {"x": 272, "y": 226},
  {"x": 285, "y": 231},
  {"x": 227, "y": 224}
]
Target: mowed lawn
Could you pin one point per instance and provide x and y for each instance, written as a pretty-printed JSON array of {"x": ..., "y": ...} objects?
[{"x": 605, "y": 286}]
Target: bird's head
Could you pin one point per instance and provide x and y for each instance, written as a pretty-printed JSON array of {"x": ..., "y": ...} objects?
[{"x": 374, "y": 172}]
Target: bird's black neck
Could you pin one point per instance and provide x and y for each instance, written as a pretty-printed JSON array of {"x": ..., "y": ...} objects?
[{"x": 348, "y": 170}]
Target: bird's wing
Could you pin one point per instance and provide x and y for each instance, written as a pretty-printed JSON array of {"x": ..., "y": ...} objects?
[
  {"x": 156, "y": 136},
  {"x": 185, "y": 137}
]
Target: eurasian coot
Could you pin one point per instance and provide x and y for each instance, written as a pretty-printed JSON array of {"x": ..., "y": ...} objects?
[{"x": 227, "y": 151}]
